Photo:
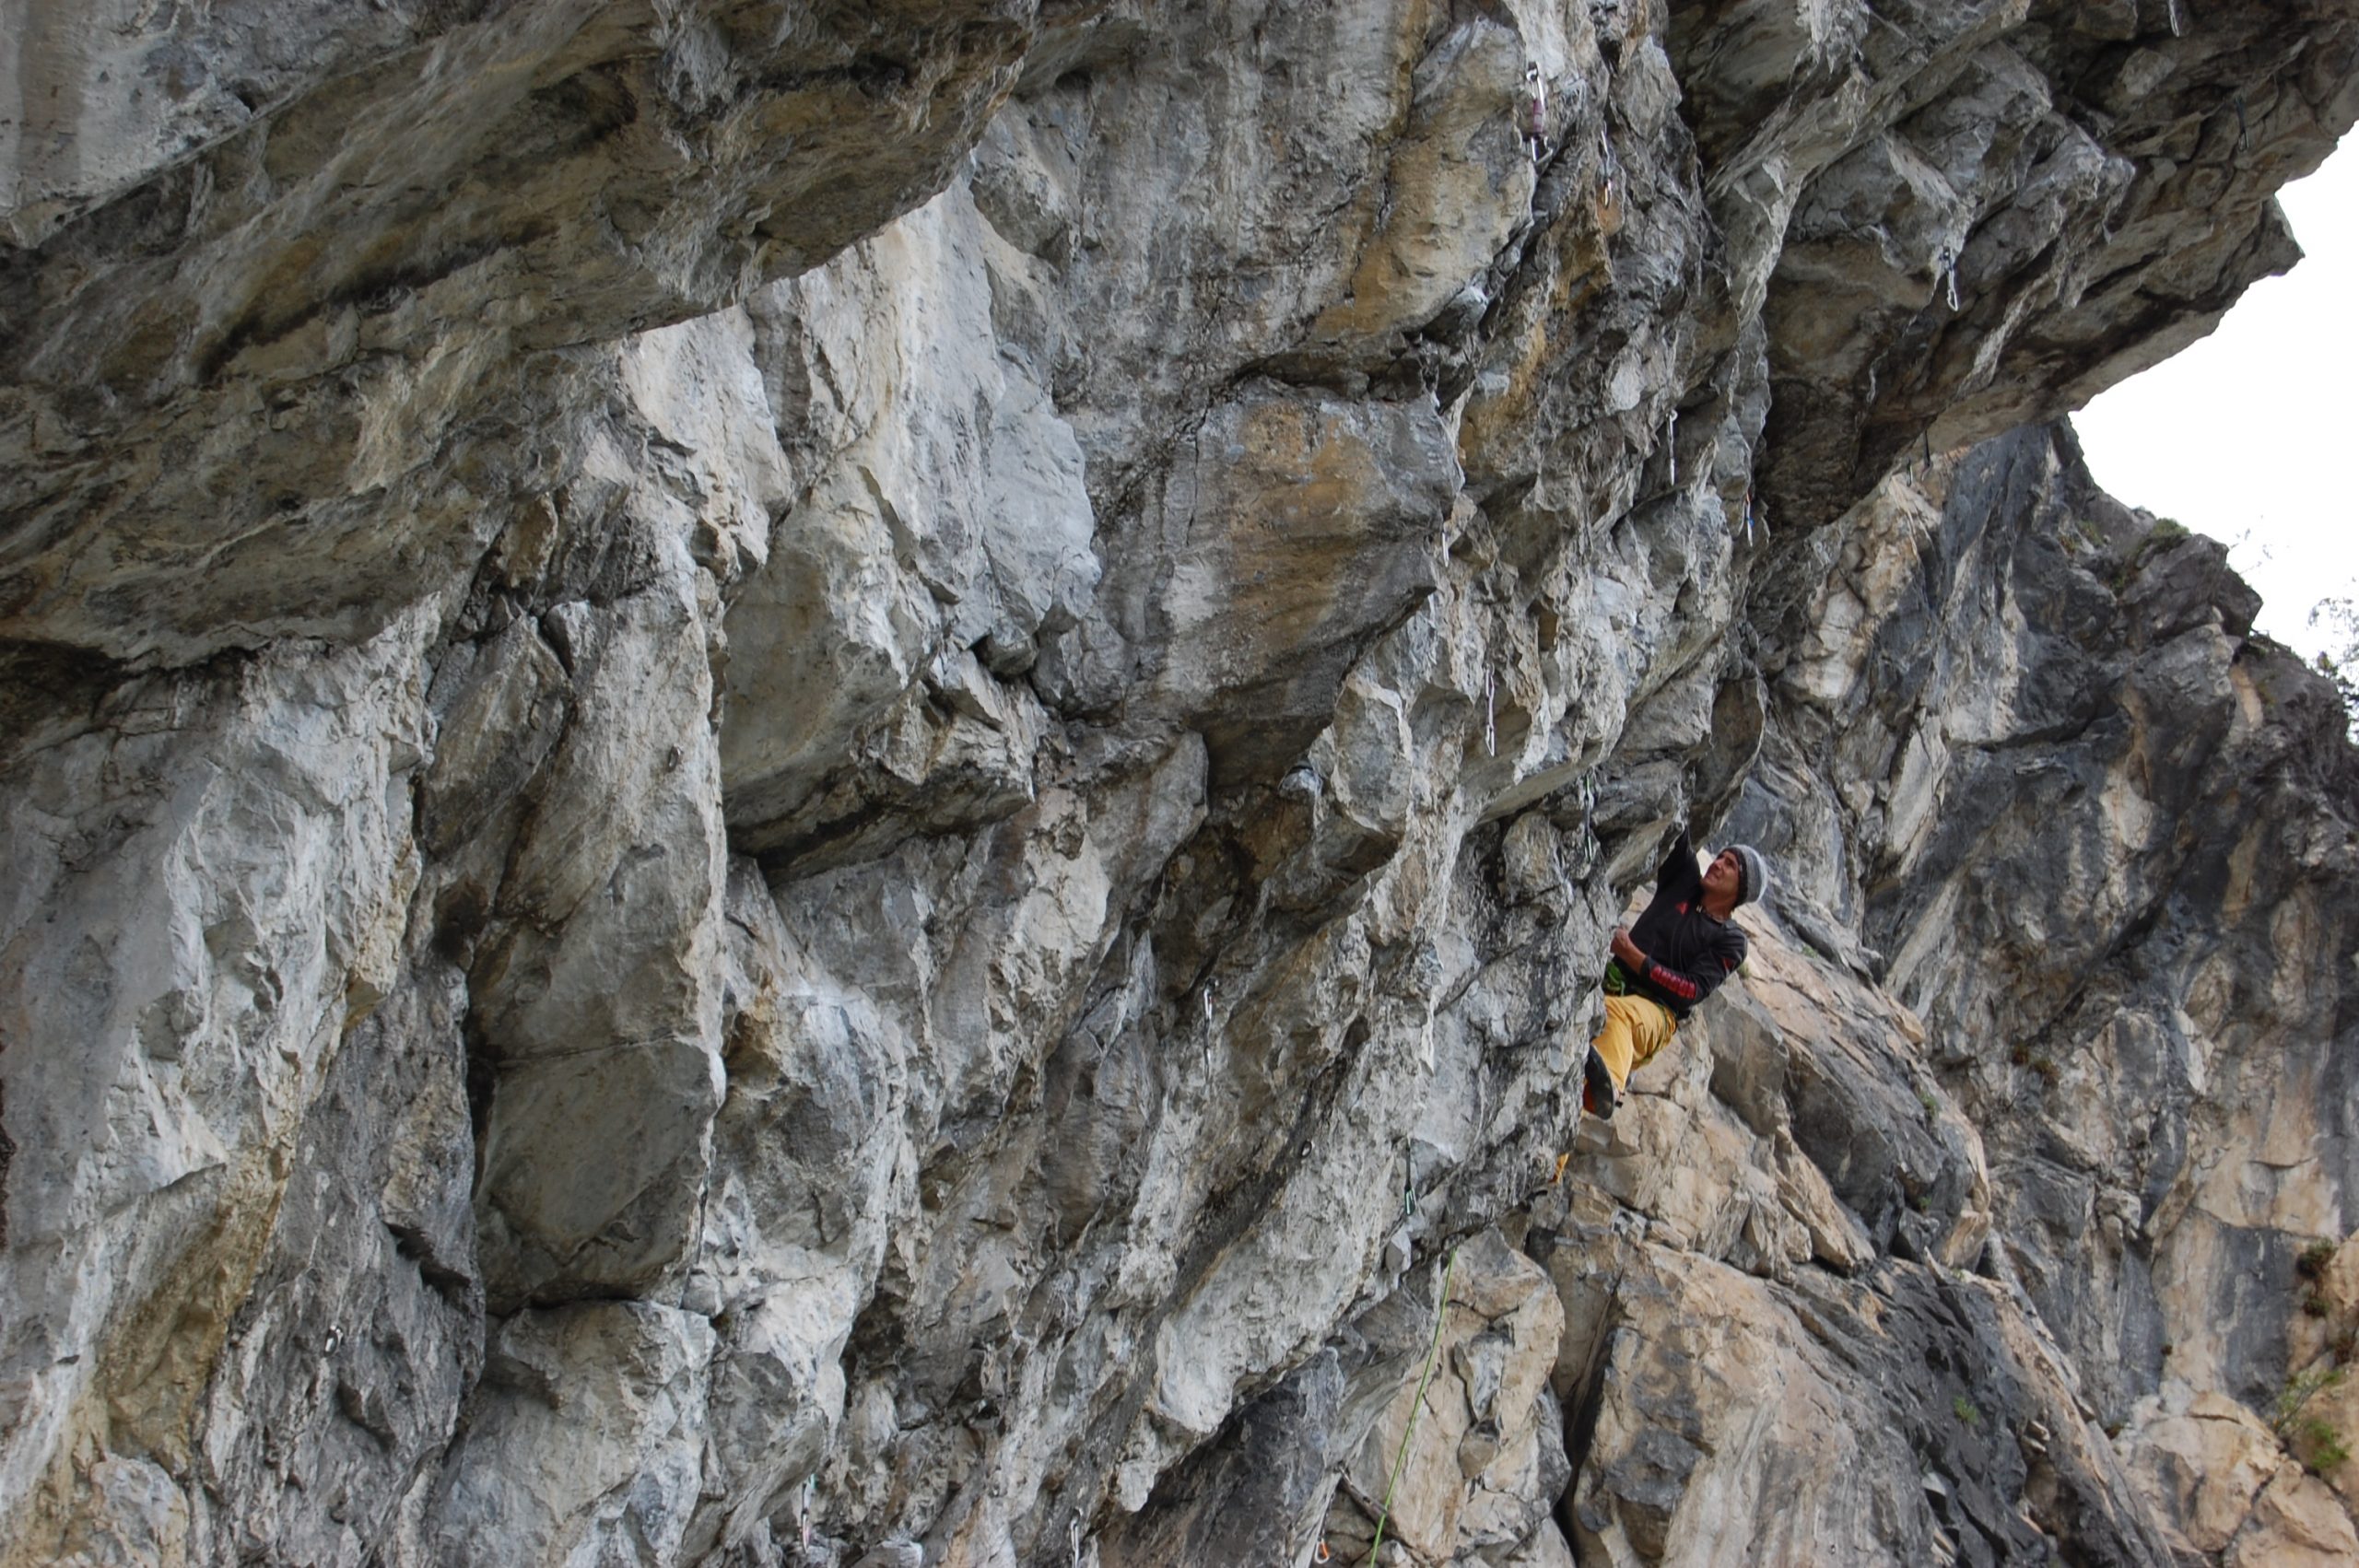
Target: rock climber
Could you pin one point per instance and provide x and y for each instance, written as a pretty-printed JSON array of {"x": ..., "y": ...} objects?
[{"x": 1671, "y": 957}]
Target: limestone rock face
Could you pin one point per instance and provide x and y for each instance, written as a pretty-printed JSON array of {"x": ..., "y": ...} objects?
[
  {"x": 784, "y": 783},
  {"x": 2162, "y": 1150}
]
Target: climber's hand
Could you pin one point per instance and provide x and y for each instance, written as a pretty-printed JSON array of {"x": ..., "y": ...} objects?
[{"x": 1627, "y": 949}]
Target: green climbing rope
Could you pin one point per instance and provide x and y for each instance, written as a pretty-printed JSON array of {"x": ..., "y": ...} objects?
[{"x": 1433, "y": 1354}]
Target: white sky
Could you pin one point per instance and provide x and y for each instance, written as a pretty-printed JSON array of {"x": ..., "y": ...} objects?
[{"x": 2247, "y": 436}]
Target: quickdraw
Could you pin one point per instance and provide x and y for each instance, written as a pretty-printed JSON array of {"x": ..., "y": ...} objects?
[
  {"x": 1535, "y": 112},
  {"x": 810, "y": 1502},
  {"x": 1670, "y": 443},
  {"x": 1077, "y": 1542},
  {"x": 1208, "y": 1026},
  {"x": 1947, "y": 266},
  {"x": 1591, "y": 847},
  {"x": 2179, "y": 29},
  {"x": 1490, "y": 713}
]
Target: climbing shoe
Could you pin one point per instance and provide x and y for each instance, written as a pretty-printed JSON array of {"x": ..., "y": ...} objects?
[{"x": 1597, "y": 1088}]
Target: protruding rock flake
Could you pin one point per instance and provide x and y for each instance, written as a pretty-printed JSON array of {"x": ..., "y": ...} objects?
[{"x": 796, "y": 786}]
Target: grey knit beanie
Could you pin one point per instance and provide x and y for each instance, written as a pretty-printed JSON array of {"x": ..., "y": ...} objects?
[{"x": 1753, "y": 881}]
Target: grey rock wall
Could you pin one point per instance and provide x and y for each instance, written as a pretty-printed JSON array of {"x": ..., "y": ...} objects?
[
  {"x": 2099, "y": 782},
  {"x": 801, "y": 783}
]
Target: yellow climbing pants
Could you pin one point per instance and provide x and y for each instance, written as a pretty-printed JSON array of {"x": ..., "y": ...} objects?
[{"x": 1635, "y": 1029}]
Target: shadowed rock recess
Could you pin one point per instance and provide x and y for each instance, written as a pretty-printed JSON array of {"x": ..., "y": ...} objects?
[{"x": 836, "y": 784}]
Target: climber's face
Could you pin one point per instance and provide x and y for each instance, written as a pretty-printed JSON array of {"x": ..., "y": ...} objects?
[{"x": 1724, "y": 875}]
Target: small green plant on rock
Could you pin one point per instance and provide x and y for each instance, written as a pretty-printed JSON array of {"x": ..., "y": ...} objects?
[
  {"x": 2311, "y": 1440},
  {"x": 2286, "y": 1414},
  {"x": 1964, "y": 1409},
  {"x": 2167, "y": 531},
  {"x": 2320, "y": 1447},
  {"x": 2311, "y": 1264}
]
